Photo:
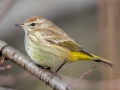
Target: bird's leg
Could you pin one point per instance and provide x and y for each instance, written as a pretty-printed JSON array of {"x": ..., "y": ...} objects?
[
  {"x": 60, "y": 67},
  {"x": 55, "y": 73}
]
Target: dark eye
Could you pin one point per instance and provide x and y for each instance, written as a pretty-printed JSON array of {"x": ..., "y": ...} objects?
[{"x": 33, "y": 24}]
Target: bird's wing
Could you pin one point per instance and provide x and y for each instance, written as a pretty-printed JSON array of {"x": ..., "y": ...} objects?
[{"x": 61, "y": 39}]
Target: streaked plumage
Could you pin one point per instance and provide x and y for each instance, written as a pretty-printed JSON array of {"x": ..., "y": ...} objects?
[{"x": 48, "y": 45}]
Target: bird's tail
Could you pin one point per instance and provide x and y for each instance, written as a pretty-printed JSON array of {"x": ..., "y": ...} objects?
[
  {"x": 87, "y": 56},
  {"x": 103, "y": 61}
]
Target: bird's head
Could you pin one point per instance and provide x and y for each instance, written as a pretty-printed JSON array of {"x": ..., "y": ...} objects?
[{"x": 33, "y": 23}]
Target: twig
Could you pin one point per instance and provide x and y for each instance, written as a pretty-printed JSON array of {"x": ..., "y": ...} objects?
[
  {"x": 23, "y": 61},
  {"x": 83, "y": 75},
  {"x": 2, "y": 61},
  {"x": 5, "y": 67}
]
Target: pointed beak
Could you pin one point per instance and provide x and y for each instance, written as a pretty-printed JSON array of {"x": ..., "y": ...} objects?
[{"x": 19, "y": 25}]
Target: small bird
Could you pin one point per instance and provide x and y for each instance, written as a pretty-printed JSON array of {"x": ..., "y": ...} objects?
[{"x": 49, "y": 46}]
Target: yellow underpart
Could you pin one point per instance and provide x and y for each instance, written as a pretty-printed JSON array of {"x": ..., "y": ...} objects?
[{"x": 74, "y": 56}]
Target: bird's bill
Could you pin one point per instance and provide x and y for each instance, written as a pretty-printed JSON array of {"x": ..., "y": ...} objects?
[{"x": 19, "y": 25}]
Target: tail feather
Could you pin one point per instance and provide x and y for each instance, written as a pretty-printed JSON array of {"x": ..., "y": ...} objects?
[
  {"x": 106, "y": 62},
  {"x": 82, "y": 55},
  {"x": 103, "y": 61}
]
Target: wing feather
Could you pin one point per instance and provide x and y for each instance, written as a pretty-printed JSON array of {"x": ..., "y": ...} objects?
[{"x": 60, "y": 39}]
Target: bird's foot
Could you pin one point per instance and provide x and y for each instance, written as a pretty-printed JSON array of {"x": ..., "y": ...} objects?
[{"x": 51, "y": 77}]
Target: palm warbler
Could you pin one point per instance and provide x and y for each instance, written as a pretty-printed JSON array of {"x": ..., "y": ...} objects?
[{"x": 48, "y": 46}]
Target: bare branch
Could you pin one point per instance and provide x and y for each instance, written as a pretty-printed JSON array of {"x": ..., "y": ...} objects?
[
  {"x": 2, "y": 61},
  {"x": 87, "y": 72},
  {"x": 5, "y": 67},
  {"x": 23, "y": 61},
  {"x": 83, "y": 75}
]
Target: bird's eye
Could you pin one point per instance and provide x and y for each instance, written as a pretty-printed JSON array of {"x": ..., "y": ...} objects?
[{"x": 33, "y": 24}]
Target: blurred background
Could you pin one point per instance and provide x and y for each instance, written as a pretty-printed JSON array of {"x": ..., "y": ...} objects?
[{"x": 94, "y": 24}]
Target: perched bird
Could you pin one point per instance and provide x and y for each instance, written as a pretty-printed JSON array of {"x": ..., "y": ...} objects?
[{"x": 49, "y": 46}]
